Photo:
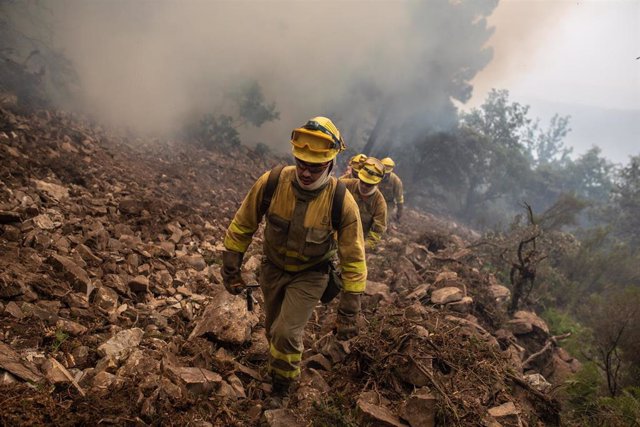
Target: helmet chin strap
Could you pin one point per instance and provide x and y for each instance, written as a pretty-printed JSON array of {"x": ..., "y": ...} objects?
[{"x": 322, "y": 180}]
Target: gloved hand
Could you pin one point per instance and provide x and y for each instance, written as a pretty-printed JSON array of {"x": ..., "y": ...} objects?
[
  {"x": 399, "y": 211},
  {"x": 370, "y": 244},
  {"x": 231, "y": 277},
  {"x": 347, "y": 320}
]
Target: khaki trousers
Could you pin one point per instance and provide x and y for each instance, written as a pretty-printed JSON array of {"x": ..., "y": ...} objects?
[{"x": 289, "y": 300}]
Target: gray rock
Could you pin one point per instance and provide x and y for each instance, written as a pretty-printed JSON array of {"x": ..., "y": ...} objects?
[
  {"x": 107, "y": 299},
  {"x": 102, "y": 381},
  {"x": 121, "y": 344},
  {"x": 281, "y": 418},
  {"x": 54, "y": 372},
  {"x": 21, "y": 368},
  {"x": 499, "y": 292},
  {"x": 419, "y": 410},
  {"x": 195, "y": 261},
  {"x": 315, "y": 380},
  {"x": 370, "y": 412},
  {"x": 413, "y": 374},
  {"x": 506, "y": 414},
  {"x": 462, "y": 306},
  {"x": 334, "y": 350},
  {"x": 419, "y": 292},
  {"x": 76, "y": 275},
  {"x": 43, "y": 222},
  {"x": 519, "y": 326},
  {"x": 378, "y": 290},
  {"x": 533, "y": 319},
  {"x": 226, "y": 319},
  {"x": 538, "y": 382},
  {"x": 71, "y": 327},
  {"x": 139, "y": 284},
  {"x": 80, "y": 355},
  {"x": 446, "y": 295},
  {"x": 197, "y": 380},
  {"x": 7, "y": 378},
  {"x": 55, "y": 191},
  {"x": 237, "y": 386},
  {"x": 14, "y": 310},
  {"x": 318, "y": 361},
  {"x": 88, "y": 255},
  {"x": 131, "y": 206}
]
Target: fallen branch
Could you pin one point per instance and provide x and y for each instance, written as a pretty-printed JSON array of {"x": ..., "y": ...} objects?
[
  {"x": 553, "y": 341},
  {"x": 537, "y": 354}
]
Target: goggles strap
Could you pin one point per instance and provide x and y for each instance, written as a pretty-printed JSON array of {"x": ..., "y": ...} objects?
[{"x": 313, "y": 125}]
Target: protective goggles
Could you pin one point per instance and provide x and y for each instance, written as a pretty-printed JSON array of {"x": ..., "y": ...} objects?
[
  {"x": 314, "y": 142},
  {"x": 312, "y": 168}
]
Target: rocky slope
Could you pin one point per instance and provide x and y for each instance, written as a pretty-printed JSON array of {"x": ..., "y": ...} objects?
[{"x": 112, "y": 309}]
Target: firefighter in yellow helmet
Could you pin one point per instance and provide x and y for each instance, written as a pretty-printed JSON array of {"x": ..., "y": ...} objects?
[
  {"x": 355, "y": 164},
  {"x": 391, "y": 188},
  {"x": 299, "y": 242},
  {"x": 373, "y": 209}
]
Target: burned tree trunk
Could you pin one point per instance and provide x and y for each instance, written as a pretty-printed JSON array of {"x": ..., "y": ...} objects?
[
  {"x": 373, "y": 138},
  {"x": 523, "y": 271}
]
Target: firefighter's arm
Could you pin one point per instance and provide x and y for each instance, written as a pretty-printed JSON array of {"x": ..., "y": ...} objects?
[
  {"x": 398, "y": 192},
  {"x": 351, "y": 247},
  {"x": 246, "y": 220},
  {"x": 239, "y": 235},
  {"x": 354, "y": 268},
  {"x": 379, "y": 225}
]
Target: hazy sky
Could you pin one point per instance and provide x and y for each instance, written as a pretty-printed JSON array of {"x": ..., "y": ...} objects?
[
  {"x": 151, "y": 64},
  {"x": 575, "y": 58}
]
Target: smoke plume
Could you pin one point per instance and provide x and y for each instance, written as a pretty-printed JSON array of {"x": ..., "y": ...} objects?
[{"x": 153, "y": 65}]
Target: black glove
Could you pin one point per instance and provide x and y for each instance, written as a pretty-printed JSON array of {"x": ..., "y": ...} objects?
[
  {"x": 347, "y": 320},
  {"x": 399, "y": 211},
  {"x": 231, "y": 277}
]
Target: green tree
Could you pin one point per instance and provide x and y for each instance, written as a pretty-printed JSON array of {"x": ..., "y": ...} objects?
[
  {"x": 590, "y": 176},
  {"x": 503, "y": 122},
  {"x": 547, "y": 146},
  {"x": 613, "y": 319},
  {"x": 221, "y": 130},
  {"x": 626, "y": 203},
  {"x": 252, "y": 107}
]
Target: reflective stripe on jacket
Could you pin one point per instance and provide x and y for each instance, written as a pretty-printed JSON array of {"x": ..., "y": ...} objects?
[{"x": 298, "y": 233}]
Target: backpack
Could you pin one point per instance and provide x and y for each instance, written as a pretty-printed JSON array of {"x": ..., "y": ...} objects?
[{"x": 272, "y": 183}]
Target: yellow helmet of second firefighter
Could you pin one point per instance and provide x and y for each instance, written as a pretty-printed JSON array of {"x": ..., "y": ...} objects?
[
  {"x": 357, "y": 161},
  {"x": 372, "y": 171},
  {"x": 389, "y": 164},
  {"x": 317, "y": 141}
]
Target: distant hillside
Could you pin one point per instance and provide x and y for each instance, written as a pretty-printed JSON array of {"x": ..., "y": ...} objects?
[{"x": 616, "y": 132}]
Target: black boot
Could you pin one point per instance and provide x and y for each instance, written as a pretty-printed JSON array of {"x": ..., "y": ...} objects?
[{"x": 280, "y": 389}]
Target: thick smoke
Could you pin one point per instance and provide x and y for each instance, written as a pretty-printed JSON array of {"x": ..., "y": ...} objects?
[{"x": 153, "y": 65}]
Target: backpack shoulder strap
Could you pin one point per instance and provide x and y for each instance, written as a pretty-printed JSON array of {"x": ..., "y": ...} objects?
[
  {"x": 338, "y": 201},
  {"x": 269, "y": 189}
]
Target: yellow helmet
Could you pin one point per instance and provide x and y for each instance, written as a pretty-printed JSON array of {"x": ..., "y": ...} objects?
[
  {"x": 318, "y": 141},
  {"x": 389, "y": 164},
  {"x": 372, "y": 171},
  {"x": 357, "y": 161}
]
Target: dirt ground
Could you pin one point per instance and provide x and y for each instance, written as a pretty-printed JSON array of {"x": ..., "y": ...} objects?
[{"x": 105, "y": 235}]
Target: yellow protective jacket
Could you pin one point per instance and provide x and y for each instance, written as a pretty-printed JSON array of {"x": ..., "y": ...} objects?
[
  {"x": 391, "y": 189},
  {"x": 298, "y": 233},
  {"x": 373, "y": 212},
  {"x": 348, "y": 175}
]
